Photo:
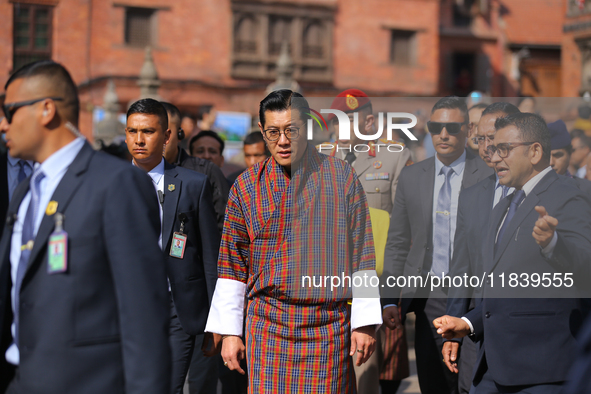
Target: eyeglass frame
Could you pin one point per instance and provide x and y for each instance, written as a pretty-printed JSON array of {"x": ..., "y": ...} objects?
[
  {"x": 492, "y": 149},
  {"x": 445, "y": 126},
  {"x": 297, "y": 133},
  {"x": 10, "y": 109}
]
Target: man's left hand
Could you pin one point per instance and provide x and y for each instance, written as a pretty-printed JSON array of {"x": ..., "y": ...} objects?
[
  {"x": 544, "y": 227},
  {"x": 363, "y": 342},
  {"x": 212, "y": 344}
]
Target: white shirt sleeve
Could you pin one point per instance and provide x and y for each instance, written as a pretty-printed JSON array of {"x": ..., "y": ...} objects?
[
  {"x": 366, "y": 309},
  {"x": 226, "y": 315},
  {"x": 469, "y": 324}
]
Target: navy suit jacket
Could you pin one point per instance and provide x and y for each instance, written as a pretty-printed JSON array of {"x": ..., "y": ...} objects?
[
  {"x": 192, "y": 278},
  {"x": 101, "y": 326},
  {"x": 409, "y": 249},
  {"x": 475, "y": 206},
  {"x": 3, "y": 189},
  {"x": 520, "y": 335}
]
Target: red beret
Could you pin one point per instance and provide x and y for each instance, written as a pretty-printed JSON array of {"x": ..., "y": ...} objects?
[{"x": 349, "y": 100}]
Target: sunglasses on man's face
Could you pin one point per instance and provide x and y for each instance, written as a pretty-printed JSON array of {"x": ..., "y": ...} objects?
[
  {"x": 10, "y": 108},
  {"x": 452, "y": 128}
]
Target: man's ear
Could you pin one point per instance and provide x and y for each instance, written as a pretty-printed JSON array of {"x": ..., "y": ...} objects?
[
  {"x": 369, "y": 121},
  {"x": 167, "y": 136},
  {"x": 538, "y": 153}
]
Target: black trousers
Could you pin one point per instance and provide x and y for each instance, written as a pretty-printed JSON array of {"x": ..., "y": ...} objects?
[
  {"x": 203, "y": 373},
  {"x": 434, "y": 376},
  {"x": 181, "y": 346}
]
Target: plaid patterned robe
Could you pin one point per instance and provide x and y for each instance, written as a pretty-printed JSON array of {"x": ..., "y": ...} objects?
[{"x": 276, "y": 230}]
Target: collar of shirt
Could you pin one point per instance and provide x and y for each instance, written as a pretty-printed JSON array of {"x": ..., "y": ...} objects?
[
  {"x": 529, "y": 185},
  {"x": 458, "y": 165},
  {"x": 57, "y": 164},
  {"x": 14, "y": 161},
  {"x": 157, "y": 172}
]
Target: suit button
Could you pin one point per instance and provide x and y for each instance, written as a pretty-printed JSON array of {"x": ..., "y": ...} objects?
[
  {"x": 419, "y": 270},
  {"x": 377, "y": 189},
  {"x": 487, "y": 315},
  {"x": 488, "y": 281}
]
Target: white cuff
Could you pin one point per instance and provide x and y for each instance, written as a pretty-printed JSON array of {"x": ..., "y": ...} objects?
[
  {"x": 549, "y": 249},
  {"x": 469, "y": 323},
  {"x": 226, "y": 314},
  {"x": 365, "y": 308}
]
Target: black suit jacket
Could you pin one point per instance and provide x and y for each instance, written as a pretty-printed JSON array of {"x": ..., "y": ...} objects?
[
  {"x": 520, "y": 335},
  {"x": 219, "y": 186},
  {"x": 192, "y": 279},
  {"x": 475, "y": 206},
  {"x": 409, "y": 249},
  {"x": 102, "y": 326}
]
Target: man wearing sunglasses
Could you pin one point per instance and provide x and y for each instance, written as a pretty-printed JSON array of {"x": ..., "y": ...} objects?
[
  {"x": 93, "y": 319},
  {"x": 475, "y": 205},
  {"x": 420, "y": 236},
  {"x": 543, "y": 227}
]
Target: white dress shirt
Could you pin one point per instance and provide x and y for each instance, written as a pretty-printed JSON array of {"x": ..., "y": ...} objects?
[{"x": 456, "y": 186}]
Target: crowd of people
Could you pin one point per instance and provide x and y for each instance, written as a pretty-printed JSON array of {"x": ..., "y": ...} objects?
[{"x": 147, "y": 274}]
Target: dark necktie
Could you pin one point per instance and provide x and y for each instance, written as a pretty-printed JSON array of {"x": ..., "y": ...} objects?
[
  {"x": 516, "y": 199},
  {"x": 505, "y": 190},
  {"x": 22, "y": 175},
  {"x": 350, "y": 158},
  {"x": 27, "y": 239},
  {"x": 442, "y": 229}
]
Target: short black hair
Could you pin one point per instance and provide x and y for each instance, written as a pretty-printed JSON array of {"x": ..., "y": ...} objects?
[
  {"x": 281, "y": 100},
  {"x": 58, "y": 80},
  {"x": 585, "y": 141},
  {"x": 452, "y": 102},
  {"x": 501, "y": 107},
  {"x": 478, "y": 106},
  {"x": 150, "y": 106},
  {"x": 254, "y": 138},
  {"x": 172, "y": 110},
  {"x": 532, "y": 128},
  {"x": 207, "y": 133},
  {"x": 576, "y": 133}
]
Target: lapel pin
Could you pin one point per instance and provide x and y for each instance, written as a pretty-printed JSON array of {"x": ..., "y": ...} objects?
[
  {"x": 51, "y": 208},
  {"x": 377, "y": 164},
  {"x": 171, "y": 187}
]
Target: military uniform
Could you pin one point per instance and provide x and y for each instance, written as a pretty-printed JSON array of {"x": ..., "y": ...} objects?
[{"x": 377, "y": 169}]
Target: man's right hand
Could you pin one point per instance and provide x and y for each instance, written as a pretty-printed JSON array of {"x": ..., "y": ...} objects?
[
  {"x": 450, "y": 355},
  {"x": 391, "y": 317},
  {"x": 451, "y": 327},
  {"x": 233, "y": 351}
]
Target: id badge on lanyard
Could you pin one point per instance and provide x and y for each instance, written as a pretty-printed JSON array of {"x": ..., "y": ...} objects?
[{"x": 57, "y": 253}]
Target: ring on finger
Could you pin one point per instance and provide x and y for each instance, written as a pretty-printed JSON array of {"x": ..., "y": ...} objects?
[
  {"x": 225, "y": 363},
  {"x": 359, "y": 350}
]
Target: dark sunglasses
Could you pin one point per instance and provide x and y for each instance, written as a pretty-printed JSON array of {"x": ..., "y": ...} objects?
[
  {"x": 451, "y": 127},
  {"x": 10, "y": 108}
]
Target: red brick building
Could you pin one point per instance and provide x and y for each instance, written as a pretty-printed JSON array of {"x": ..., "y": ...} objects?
[{"x": 224, "y": 52}]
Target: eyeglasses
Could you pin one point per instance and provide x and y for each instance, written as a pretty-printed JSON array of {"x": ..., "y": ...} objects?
[
  {"x": 452, "y": 128},
  {"x": 478, "y": 140},
  {"x": 275, "y": 134},
  {"x": 504, "y": 149},
  {"x": 10, "y": 108}
]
